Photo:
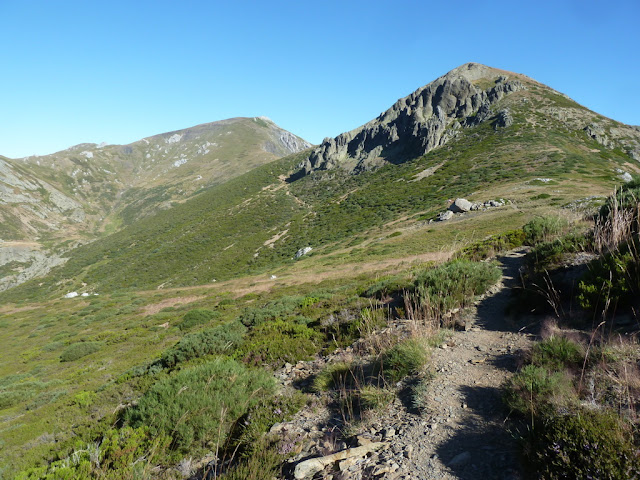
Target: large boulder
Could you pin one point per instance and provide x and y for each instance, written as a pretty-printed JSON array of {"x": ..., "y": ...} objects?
[{"x": 460, "y": 205}]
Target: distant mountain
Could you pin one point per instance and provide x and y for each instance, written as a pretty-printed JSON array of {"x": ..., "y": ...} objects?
[{"x": 57, "y": 201}]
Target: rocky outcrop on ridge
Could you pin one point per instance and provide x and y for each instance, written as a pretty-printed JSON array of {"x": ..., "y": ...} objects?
[{"x": 418, "y": 123}]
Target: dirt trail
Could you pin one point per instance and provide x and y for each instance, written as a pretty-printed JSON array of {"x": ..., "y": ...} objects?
[
  {"x": 461, "y": 435},
  {"x": 460, "y": 432}
]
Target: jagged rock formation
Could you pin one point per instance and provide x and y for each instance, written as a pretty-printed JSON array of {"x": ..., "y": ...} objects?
[{"x": 418, "y": 123}]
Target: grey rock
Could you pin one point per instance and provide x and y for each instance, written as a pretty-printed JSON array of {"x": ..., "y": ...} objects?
[
  {"x": 504, "y": 119},
  {"x": 445, "y": 216},
  {"x": 460, "y": 205},
  {"x": 460, "y": 459}
]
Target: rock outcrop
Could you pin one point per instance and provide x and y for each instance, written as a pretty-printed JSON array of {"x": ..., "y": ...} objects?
[{"x": 418, "y": 123}]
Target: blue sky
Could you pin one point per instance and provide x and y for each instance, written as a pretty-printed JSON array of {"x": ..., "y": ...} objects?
[{"x": 117, "y": 71}]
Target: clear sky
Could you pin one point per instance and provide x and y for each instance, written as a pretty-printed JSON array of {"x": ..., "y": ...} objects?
[{"x": 117, "y": 71}]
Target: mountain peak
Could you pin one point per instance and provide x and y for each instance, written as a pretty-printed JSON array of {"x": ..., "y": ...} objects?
[{"x": 420, "y": 122}]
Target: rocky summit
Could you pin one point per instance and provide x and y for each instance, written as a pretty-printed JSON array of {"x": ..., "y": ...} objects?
[{"x": 420, "y": 122}]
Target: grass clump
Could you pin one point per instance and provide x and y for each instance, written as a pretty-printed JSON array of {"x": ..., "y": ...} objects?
[
  {"x": 331, "y": 376},
  {"x": 198, "y": 406},
  {"x": 405, "y": 358},
  {"x": 198, "y": 316},
  {"x": 78, "y": 350}
]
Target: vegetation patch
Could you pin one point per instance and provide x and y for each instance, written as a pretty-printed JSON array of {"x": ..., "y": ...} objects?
[
  {"x": 78, "y": 350},
  {"x": 198, "y": 406}
]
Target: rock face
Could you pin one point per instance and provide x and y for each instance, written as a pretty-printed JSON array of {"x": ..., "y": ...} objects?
[{"x": 416, "y": 124}]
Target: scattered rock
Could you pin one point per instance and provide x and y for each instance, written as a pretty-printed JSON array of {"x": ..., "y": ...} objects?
[
  {"x": 303, "y": 251},
  {"x": 71, "y": 295},
  {"x": 312, "y": 466},
  {"x": 445, "y": 216}
]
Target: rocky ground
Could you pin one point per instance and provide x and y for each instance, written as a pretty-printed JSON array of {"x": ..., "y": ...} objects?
[{"x": 459, "y": 433}]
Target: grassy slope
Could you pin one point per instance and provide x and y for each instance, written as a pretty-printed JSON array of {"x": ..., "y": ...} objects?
[
  {"x": 221, "y": 233},
  {"x": 348, "y": 220}
]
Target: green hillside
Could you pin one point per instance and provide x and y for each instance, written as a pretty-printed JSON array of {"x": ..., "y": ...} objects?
[{"x": 200, "y": 296}]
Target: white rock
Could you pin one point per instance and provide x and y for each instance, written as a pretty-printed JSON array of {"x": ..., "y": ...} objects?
[
  {"x": 303, "y": 251},
  {"x": 71, "y": 295}
]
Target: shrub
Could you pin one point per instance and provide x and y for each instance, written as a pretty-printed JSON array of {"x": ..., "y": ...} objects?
[
  {"x": 455, "y": 283},
  {"x": 492, "y": 246},
  {"x": 557, "y": 353},
  {"x": 198, "y": 316},
  {"x": 543, "y": 229},
  {"x": 547, "y": 254},
  {"x": 404, "y": 358},
  {"x": 534, "y": 388},
  {"x": 79, "y": 350},
  {"x": 218, "y": 340},
  {"x": 198, "y": 406},
  {"x": 614, "y": 277},
  {"x": 584, "y": 444},
  {"x": 279, "y": 341}
]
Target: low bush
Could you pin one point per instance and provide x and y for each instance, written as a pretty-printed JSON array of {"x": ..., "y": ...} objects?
[
  {"x": 557, "y": 353},
  {"x": 492, "y": 246},
  {"x": 534, "y": 388},
  {"x": 198, "y": 406},
  {"x": 274, "y": 343},
  {"x": 543, "y": 229},
  {"x": 548, "y": 254},
  {"x": 613, "y": 278},
  {"x": 455, "y": 284},
  {"x": 198, "y": 316},
  {"x": 79, "y": 350},
  {"x": 583, "y": 444},
  {"x": 223, "y": 339}
]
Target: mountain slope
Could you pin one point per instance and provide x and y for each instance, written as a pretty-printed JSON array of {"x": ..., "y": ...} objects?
[
  {"x": 72, "y": 196},
  {"x": 259, "y": 220}
]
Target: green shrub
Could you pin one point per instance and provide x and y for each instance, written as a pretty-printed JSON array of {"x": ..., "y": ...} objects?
[
  {"x": 84, "y": 398},
  {"x": 584, "y": 444},
  {"x": 198, "y": 406},
  {"x": 198, "y": 316},
  {"x": 557, "y": 353},
  {"x": 404, "y": 358},
  {"x": 615, "y": 277},
  {"x": 223, "y": 339},
  {"x": 279, "y": 341},
  {"x": 492, "y": 246},
  {"x": 534, "y": 388},
  {"x": 543, "y": 229},
  {"x": 79, "y": 350},
  {"x": 455, "y": 283},
  {"x": 626, "y": 198}
]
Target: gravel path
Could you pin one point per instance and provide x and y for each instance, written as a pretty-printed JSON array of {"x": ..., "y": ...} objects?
[{"x": 460, "y": 433}]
